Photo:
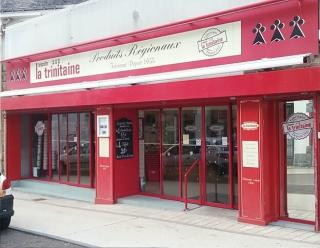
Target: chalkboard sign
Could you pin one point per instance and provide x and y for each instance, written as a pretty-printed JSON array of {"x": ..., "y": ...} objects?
[{"x": 124, "y": 139}]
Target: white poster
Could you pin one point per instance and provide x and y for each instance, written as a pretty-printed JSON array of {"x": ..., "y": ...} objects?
[
  {"x": 104, "y": 147},
  {"x": 201, "y": 44},
  {"x": 250, "y": 154}
]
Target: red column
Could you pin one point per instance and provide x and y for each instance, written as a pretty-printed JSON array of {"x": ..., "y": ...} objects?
[
  {"x": 104, "y": 159},
  {"x": 13, "y": 146},
  {"x": 259, "y": 187},
  {"x": 316, "y": 162}
]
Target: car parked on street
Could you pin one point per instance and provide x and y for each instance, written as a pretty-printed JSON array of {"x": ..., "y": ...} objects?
[{"x": 6, "y": 202}]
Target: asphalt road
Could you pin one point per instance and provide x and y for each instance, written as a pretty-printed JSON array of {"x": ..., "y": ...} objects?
[{"x": 15, "y": 239}]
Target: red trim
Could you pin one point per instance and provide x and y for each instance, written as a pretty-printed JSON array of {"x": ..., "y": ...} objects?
[
  {"x": 261, "y": 83},
  {"x": 180, "y": 154},
  {"x": 160, "y": 152},
  {"x": 31, "y": 130},
  {"x": 282, "y": 163},
  {"x": 297, "y": 220},
  {"x": 316, "y": 162},
  {"x": 249, "y": 52},
  {"x": 90, "y": 151},
  {"x": 78, "y": 148},
  {"x": 49, "y": 146},
  {"x": 203, "y": 164},
  {"x": 230, "y": 150},
  {"x": 104, "y": 201},
  {"x": 59, "y": 162}
]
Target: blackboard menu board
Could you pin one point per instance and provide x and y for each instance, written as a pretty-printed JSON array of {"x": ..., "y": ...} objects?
[{"x": 124, "y": 139}]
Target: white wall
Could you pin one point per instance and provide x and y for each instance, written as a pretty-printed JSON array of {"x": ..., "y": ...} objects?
[{"x": 99, "y": 19}]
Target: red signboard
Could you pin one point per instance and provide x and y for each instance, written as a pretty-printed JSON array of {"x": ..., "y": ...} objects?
[{"x": 264, "y": 31}]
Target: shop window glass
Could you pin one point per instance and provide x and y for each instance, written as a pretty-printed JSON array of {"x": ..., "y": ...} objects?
[
  {"x": 72, "y": 147},
  {"x": 191, "y": 148},
  {"x": 84, "y": 148},
  {"x": 170, "y": 152},
  {"x": 40, "y": 146},
  {"x": 217, "y": 155},
  {"x": 150, "y": 148},
  {"x": 63, "y": 127},
  {"x": 55, "y": 146}
]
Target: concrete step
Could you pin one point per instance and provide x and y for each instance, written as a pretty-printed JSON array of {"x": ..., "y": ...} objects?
[{"x": 55, "y": 189}]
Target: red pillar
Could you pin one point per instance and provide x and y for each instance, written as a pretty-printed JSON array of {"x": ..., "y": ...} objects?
[
  {"x": 104, "y": 157},
  {"x": 13, "y": 146},
  {"x": 259, "y": 170},
  {"x": 316, "y": 162}
]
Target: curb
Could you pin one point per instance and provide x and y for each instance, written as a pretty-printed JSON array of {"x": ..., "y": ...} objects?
[{"x": 51, "y": 236}]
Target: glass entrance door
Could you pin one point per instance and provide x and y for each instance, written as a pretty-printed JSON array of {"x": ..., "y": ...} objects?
[
  {"x": 217, "y": 155},
  {"x": 299, "y": 160},
  {"x": 191, "y": 148},
  {"x": 170, "y": 152},
  {"x": 172, "y": 139}
]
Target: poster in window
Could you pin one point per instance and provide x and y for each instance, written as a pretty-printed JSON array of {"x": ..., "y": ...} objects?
[
  {"x": 124, "y": 139},
  {"x": 103, "y": 126}
]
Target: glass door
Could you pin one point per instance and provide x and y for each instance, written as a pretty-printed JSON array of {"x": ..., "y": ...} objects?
[
  {"x": 299, "y": 160},
  {"x": 172, "y": 139},
  {"x": 170, "y": 152},
  {"x": 221, "y": 170},
  {"x": 150, "y": 151},
  {"x": 217, "y": 155},
  {"x": 191, "y": 148}
]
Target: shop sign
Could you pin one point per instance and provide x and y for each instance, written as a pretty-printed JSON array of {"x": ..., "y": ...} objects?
[
  {"x": 269, "y": 32},
  {"x": 124, "y": 139},
  {"x": 298, "y": 126},
  {"x": 250, "y": 125},
  {"x": 213, "y": 42}
]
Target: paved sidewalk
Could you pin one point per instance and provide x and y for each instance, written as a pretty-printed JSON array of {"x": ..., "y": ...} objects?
[{"x": 150, "y": 222}]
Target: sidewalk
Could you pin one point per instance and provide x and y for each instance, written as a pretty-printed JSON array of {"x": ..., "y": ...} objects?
[{"x": 150, "y": 222}]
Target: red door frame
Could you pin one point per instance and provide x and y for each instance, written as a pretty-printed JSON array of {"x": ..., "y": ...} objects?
[
  {"x": 49, "y": 178},
  {"x": 202, "y": 167},
  {"x": 283, "y": 160}
]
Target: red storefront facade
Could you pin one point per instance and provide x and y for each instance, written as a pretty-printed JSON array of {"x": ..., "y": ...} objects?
[{"x": 167, "y": 110}]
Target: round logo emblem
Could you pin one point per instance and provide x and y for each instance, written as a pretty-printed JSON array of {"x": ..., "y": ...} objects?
[
  {"x": 212, "y": 41},
  {"x": 298, "y": 126},
  {"x": 39, "y": 128}
]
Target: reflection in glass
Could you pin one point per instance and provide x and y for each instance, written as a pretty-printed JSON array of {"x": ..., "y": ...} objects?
[
  {"x": 191, "y": 147},
  {"x": 217, "y": 154},
  {"x": 55, "y": 146},
  {"x": 63, "y": 146},
  {"x": 150, "y": 169},
  {"x": 40, "y": 146},
  {"x": 72, "y": 147},
  {"x": 84, "y": 148},
  {"x": 170, "y": 149},
  {"x": 300, "y": 168}
]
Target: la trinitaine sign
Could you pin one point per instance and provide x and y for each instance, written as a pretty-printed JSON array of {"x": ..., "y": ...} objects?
[
  {"x": 196, "y": 45},
  {"x": 253, "y": 35}
]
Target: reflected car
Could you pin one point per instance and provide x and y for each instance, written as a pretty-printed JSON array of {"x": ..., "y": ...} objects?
[
  {"x": 217, "y": 157},
  {"x": 72, "y": 156}
]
